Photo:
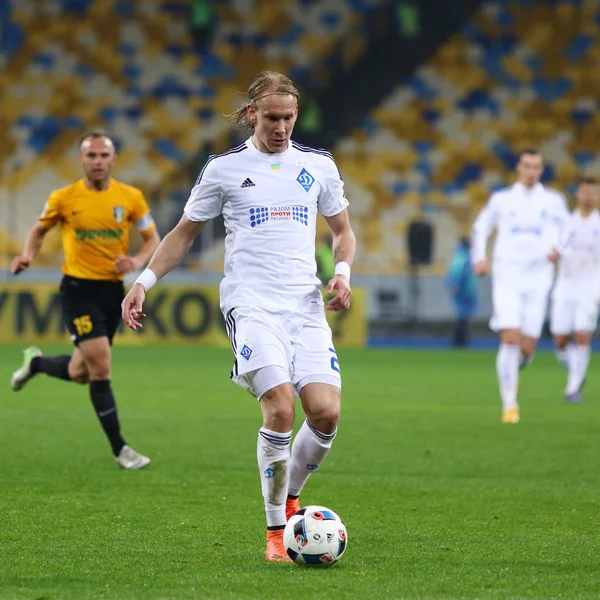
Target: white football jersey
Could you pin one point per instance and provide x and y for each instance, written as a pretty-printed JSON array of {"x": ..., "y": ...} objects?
[
  {"x": 269, "y": 204},
  {"x": 529, "y": 223},
  {"x": 579, "y": 271}
]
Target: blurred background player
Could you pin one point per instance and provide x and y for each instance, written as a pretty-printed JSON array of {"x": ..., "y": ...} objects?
[
  {"x": 96, "y": 214},
  {"x": 462, "y": 286},
  {"x": 532, "y": 224},
  {"x": 577, "y": 290},
  {"x": 270, "y": 296}
]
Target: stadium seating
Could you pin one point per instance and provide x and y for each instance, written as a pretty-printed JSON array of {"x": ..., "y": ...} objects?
[
  {"x": 134, "y": 69},
  {"x": 520, "y": 74}
]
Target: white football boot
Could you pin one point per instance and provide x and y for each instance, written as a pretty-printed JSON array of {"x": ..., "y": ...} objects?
[
  {"x": 21, "y": 376},
  {"x": 130, "y": 459}
]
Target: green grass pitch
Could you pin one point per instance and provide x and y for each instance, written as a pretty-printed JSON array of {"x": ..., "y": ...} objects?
[{"x": 440, "y": 499}]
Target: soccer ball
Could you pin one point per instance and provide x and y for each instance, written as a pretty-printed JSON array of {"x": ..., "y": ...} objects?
[{"x": 315, "y": 537}]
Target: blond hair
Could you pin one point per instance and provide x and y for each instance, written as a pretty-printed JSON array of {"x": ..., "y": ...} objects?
[{"x": 265, "y": 83}]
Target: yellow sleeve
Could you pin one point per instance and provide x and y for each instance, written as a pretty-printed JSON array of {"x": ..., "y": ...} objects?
[
  {"x": 140, "y": 215},
  {"x": 50, "y": 215}
]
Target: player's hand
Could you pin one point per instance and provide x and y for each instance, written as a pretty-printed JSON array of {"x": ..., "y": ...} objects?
[
  {"x": 19, "y": 264},
  {"x": 343, "y": 298},
  {"x": 481, "y": 267},
  {"x": 132, "y": 306},
  {"x": 125, "y": 264},
  {"x": 554, "y": 256}
]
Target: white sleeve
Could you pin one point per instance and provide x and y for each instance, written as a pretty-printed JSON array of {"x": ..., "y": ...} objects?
[
  {"x": 332, "y": 199},
  {"x": 206, "y": 198},
  {"x": 482, "y": 228},
  {"x": 565, "y": 226}
]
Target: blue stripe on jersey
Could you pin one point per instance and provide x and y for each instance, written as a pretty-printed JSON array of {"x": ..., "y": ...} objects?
[
  {"x": 235, "y": 150},
  {"x": 302, "y": 148}
]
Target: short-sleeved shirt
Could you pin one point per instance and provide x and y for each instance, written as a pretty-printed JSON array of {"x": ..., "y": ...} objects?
[
  {"x": 579, "y": 272},
  {"x": 270, "y": 204},
  {"x": 96, "y": 226}
]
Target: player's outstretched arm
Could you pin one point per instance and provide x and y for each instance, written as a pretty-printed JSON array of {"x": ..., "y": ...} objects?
[
  {"x": 168, "y": 255},
  {"x": 344, "y": 250},
  {"x": 33, "y": 243}
]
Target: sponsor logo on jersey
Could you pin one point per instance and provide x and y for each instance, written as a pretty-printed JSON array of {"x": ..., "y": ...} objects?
[
  {"x": 119, "y": 213},
  {"x": 262, "y": 214},
  {"x": 306, "y": 180},
  {"x": 82, "y": 235},
  {"x": 248, "y": 183}
]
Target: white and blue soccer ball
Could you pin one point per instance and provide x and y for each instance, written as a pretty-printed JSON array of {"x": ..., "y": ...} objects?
[{"x": 315, "y": 537}]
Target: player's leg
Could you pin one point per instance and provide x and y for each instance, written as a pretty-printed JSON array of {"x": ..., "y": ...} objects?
[
  {"x": 93, "y": 322},
  {"x": 507, "y": 370},
  {"x": 65, "y": 366},
  {"x": 562, "y": 348},
  {"x": 506, "y": 320},
  {"x": 586, "y": 317},
  {"x": 312, "y": 444},
  {"x": 579, "y": 360},
  {"x": 562, "y": 322},
  {"x": 262, "y": 367},
  {"x": 318, "y": 383},
  {"x": 273, "y": 452},
  {"x": 97, "y": 355},
  {"x": 527, "y": 346}
]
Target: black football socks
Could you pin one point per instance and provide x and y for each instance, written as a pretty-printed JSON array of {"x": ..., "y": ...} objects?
[
  {"x": 54, "y": 366},
  {"x": 106, "y": 409}
]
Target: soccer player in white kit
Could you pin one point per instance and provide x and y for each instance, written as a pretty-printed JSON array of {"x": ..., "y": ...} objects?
[
  {"x": 270, "y": 190},
  {"x": 577, "y": 290},
  {"x": 532, "y": 232}
]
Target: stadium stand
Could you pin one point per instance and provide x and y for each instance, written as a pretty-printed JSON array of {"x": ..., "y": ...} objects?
[
  {"x": 521, "y": 73},
  {"x": 135, "y": 69}
]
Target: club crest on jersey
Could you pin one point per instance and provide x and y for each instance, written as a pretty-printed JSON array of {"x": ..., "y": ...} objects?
[
  {"x": 119, "y": 213},
  {"x": 246, "y": 352},
  {"x": 306, "y": 180}
]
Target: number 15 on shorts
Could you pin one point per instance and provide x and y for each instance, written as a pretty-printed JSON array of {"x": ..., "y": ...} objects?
[
  {"x": 83, "y": 324},
  {"x": 335, "y": 363}
]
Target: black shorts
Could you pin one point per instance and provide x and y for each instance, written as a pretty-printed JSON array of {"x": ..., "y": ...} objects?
[{"x": 91, "y": 308}]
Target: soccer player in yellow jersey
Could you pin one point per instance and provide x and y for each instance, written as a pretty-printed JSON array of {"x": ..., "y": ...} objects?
[{"x": 96, "y": 214}]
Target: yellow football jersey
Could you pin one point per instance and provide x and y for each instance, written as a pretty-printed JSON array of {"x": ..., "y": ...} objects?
[{"x": 96, "y": 226}]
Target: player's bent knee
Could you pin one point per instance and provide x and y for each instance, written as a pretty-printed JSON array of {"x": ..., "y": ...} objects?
[
  {"x": 99, "y": 368},
  {"x": 278, "y": 417},
  {"x": 277, "y": 405},
  {"x": 510, "y": 336},
  {"x": 582, "y": 338},
  {"x": 81, "y": 377},
  {"x": 561, "y": 341}
]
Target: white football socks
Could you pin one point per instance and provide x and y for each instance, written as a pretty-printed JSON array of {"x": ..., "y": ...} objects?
[
  {"x": 273, "y": 453},
  {"x": 507, "y": 368},
  {"x": 308, "y": 452},
  {"x": 562, "y": 355},
  {"x": 579, "y": 359}
]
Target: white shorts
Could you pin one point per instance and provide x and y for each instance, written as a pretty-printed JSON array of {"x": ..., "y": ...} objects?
[
  {"x": 518, "y": 309},
  {"x": 573, "y": 314},
  {"x": 300, "y": 343}
]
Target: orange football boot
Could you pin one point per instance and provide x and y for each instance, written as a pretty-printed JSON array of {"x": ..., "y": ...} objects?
[
  {"x": 292, "y": 506},
  {"x": 275, "y": 549}
]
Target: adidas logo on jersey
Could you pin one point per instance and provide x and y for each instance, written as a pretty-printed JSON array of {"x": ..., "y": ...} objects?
[{"x": 248, "y": 183}]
